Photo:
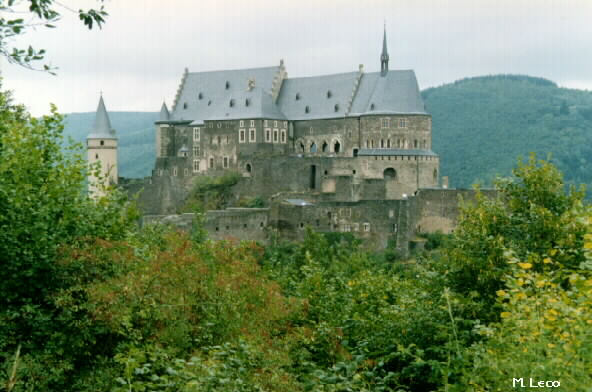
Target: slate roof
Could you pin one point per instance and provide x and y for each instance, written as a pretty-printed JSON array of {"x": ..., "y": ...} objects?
[
  {"x": 395, "y": 93},
  {"x": 394, "y": 151},
  {"x": 102, "y": 126},
  {"x": 207, "y": 96},
  {"x": 313, "y": 93}
]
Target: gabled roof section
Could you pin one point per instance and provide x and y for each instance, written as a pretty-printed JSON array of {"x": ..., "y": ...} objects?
[
  {"x": 102, "y": 125},
  {"x": 397, "y": 92},
  {"x": 256, "y": 103},
  {"x": 206, "y": 95},
  {"x": 317, "y": 97}
]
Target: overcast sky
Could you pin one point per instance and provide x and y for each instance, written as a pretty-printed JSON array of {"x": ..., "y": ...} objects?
[{"x": 137, "y": 59}]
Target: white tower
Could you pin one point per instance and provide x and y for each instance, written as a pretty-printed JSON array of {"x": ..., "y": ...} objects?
[{"x": 101, "y": 144}]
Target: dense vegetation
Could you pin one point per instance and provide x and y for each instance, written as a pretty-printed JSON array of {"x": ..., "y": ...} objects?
[
  {"x": 480, "y": 126},
  {"x": 91, "y": 302}
]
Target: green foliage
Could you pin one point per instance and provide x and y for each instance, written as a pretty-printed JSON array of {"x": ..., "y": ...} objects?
[
  {"x": 531, "y": 216},
  {"x": 40, "y": 13},
  {"x": 211, "y": 193},
  {"x": 480, "y": 126},
  {"x": 43, "y": 208}
]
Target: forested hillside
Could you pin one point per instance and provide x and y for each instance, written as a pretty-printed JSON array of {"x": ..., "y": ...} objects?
[
  {"x": 480, "y": 126},
  {"x": 136, "y": 138}
]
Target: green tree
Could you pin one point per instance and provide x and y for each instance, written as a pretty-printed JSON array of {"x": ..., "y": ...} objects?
[
  {"x": 532, "y": 216},
  {"x": 43, "y": 207}
]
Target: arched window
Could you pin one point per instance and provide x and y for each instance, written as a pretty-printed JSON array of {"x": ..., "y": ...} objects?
[
  {"x": 324, "y": 147},
  {"x": 388, "y": 143},
  {"x": 313, "y": 147},
  {"x": 381, "y": 143},
  {"x": 301, "y": 147},
  {"x": 415, "y": 143},
  {"x": 389, "y": 173},
  {"x": 336, "y": 147}
]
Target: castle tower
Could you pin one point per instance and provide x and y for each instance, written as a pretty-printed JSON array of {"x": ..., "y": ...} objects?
[
  {"x": 384, "y": 57},
  {"x": 101, "y": 145}
]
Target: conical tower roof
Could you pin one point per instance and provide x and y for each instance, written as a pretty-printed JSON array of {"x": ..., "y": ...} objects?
[
  {"x": 164, "y": 113},
  {"x": 102, "y": 126}
]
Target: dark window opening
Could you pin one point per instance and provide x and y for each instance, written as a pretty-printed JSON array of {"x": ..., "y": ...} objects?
[
  {"x": 329, "y": 94},
  {"x": 184, "y": 105},
  {"x": 231, "y": 103},
  {"x": 199, "y": 96},
  {"x": 227, "y": 85},
  {"x": 96, "y": 156},
  {"x": 209, "y": 102},
  {"x": 318, "y": 222},
  {"x": 301, "y": 225},
  {"x": 102, "y": 142},
  {"x": 353, "y": 172},
  {"x": 297, "y": 96},
  {"x": 217, "y": 228},
  {"x": 261, "y": 224},
  {"x": 390, "y": 173},
  {"x": 301, "y": 147},
  {"x": 248, "y": 167},
  {"x": 371, "y": 106},
  {"x": 336, "y": 147},
  {"x": 245, "y": 225},
  {"x": 247, "y": 102},
  {"x": 227, "y": 227},
  {"x": 355, "y": 152},
  {"x": 324, "y": 147},
  {"x": 313, "y": 177},
  {"x": 306, "y": 109},
  {"x": 313, "y": 147},
  {"x": 336, "y": 107},
  {"x": 326, "y": 172}
]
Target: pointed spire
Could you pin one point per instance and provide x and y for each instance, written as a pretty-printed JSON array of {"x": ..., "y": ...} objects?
[
  {"x": 384, "y": 57},
  {"x": 164, "y": 113},
  {"x": 102, "y": 126}
]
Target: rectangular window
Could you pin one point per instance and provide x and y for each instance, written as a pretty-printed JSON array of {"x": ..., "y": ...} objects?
[
  {"x": 219, "y": 124},
  {"x": 285, "y": 124},
  {"x": 241, "y": 136},
  {"x": 283, "y": 136},
  {"x": 241, "y": 123},
  {"x": 264, "y": 123},
  {"x": 225, "y": 163},
  {"x": 275, "y": 135},
  {"x": 402, "y": 123},
  {"x": 252, "y": 135},
  {"x": 196, "y": 151},
  {"x": 196, "y": 134},
  {"x": 211, "y": 163},
  {"x": 366, "y": 227},
  {"x": 385, "y": 122},
  {"x": 268, "y": 135},
  {"x": 175, "y": 171},
  {"x": 275, "y": 123},
  {"x": 211, "y": 125},
  {"x": 252, "y": 123}
]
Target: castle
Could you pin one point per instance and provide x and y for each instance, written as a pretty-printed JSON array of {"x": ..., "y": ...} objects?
[{"x": 347, "y": 152}]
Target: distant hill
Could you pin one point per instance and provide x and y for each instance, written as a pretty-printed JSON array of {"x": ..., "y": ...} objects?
[
  {"x": 481, "y": 125},
  {"x": 136, "y": 138}
]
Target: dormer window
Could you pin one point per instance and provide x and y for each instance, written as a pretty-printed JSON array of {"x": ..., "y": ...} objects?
[
  {"x": 306, "y": 109},
  {"x": 231, "y": 103},
  {"x": 371, "y": 106},
  {"x": 184, "y": 105},
  {"x": 227, "y": 85},
  {"x": 199, "y": 96},
  {"x": 209, "y": 103},
  {"x": 329, "y": 94},
  {"x": 298, "y": 96},
  {"x": 336, "y": 107},
  {"x": 247, "y": 102}
]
